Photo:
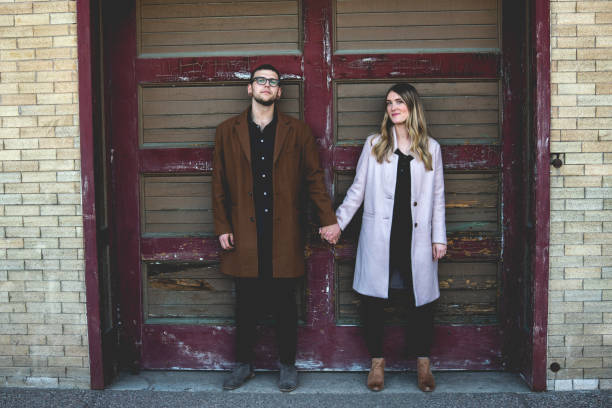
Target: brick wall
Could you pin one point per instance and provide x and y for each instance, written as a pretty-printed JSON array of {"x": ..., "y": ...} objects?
[
  {"x": 43, "y": 336},
  {"x": 580, "y": 307}
]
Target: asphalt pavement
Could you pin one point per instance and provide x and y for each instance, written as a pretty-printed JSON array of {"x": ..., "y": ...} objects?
[{"x": 203, "y": 389}]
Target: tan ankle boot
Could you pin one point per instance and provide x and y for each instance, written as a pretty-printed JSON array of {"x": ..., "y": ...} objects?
[
  {"x": 425, "y": 377},
  {"x": 376, "y": 377}
]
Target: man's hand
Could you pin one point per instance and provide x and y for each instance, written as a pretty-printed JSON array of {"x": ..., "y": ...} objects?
[
  {"x": 438, "y": 251},
  {"x": 330, "y": 233},
  {"x": 227, "y": 241}
]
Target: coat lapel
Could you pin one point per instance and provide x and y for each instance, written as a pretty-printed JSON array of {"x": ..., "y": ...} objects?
[
  {"x": 282, "y": 131},
  {"x": 241, "y": 127}
]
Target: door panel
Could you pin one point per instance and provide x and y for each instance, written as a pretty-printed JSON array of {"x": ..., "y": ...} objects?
[
  {"x": 194, "y": 27},
  {"x": 407, "y": 26}
]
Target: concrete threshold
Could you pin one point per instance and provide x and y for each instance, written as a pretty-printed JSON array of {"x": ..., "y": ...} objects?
[{"x": 265, "y": 382}]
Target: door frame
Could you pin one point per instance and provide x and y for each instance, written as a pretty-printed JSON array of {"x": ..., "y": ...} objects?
[{"x": 536, "y": 173}]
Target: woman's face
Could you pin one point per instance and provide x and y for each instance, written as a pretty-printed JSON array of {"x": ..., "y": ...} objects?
[{"x": 396, "y": 108}]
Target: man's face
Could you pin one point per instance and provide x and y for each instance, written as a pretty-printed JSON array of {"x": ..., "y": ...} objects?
[{"x": 264, "y": 94}]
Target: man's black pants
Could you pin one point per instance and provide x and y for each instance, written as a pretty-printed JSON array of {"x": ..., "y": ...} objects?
[{"x": 258, "y": 297}]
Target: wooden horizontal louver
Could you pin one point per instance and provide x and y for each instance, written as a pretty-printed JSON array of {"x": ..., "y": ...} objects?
[
  {"x": 468, "y": 295},
  {"x": 219, "y": 27},
  {"x": 458, "y": 112},
  {"x": 194, "y": 293},
  {"x": 364, "y": 26},
  {"x": 176, "y": 205},
  {"x": 184, "y": 116}
]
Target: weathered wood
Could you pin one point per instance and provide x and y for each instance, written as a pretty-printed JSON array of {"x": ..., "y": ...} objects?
[
  {"x": 190, "y": 114},
  {"x": 210, "y": 26},
  {"x": 456, "y": 112},
  {"x": 403, "y": 25}
]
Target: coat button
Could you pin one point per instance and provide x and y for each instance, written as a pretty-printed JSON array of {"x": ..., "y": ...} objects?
[
  {"x": 252, "y": 219},
  {"x": 416, "y": 224},
  {"x": 250, "y": 194},
  {"x": 415, "y": 203}
]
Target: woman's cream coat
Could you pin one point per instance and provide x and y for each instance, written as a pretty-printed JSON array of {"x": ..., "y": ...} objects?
[{"x": 374, "y": 186}]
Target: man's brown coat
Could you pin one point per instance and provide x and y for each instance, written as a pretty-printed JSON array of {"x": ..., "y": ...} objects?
[{"x": 296, "y": 170}]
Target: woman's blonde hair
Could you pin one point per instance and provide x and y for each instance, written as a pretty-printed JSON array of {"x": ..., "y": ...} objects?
[{"x": 415, "y": 125}]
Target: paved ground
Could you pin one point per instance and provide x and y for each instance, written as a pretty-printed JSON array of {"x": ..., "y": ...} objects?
[{"x": 203, "y": 389}]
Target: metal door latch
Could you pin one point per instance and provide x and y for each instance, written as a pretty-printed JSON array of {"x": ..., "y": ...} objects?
[{"x": 556, "y": 161}]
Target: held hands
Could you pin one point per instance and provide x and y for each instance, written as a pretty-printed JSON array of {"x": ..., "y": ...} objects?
[
  {"x": 438, "y": 251},
  {"x": 330, "y": 233},
  {"x": 227, "y": 241}
]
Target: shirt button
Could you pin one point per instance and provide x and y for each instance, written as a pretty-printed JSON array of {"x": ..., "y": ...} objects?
[
  {"x": 415, "y": 203},
  {"x": 263, "y": 175},
  {"x": 262, "y": 157},
  {"x": 265, "y": 210},
  {"x": 416, "y": 224},
  {"x": 265, "y": 193},
  {"x": 261, "y": 140}
]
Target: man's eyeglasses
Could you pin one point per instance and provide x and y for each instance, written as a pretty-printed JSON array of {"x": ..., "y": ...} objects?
[{"x": 262, "y": 81}]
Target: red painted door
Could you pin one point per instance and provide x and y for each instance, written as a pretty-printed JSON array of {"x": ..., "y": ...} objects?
[{"x": 174, "y": 71}]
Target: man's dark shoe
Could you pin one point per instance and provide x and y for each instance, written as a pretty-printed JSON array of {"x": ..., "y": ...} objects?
[
  {"x": 288, "y": 378},
  {"x": 239, "y": 375}
]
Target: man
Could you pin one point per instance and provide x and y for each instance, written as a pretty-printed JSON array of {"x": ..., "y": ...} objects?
[{"x": 263, "y": 162}]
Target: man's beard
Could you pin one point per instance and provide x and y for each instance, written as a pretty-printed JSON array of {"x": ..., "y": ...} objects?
[{"x": 263, "y": 102}]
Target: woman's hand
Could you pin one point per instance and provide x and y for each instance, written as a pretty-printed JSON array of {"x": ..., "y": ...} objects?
[
  {"x": 330, "y": 233},
  {"x": 438, "y": 251}
]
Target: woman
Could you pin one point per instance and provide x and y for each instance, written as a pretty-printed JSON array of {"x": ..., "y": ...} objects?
[{"x": 403, "y": 234}]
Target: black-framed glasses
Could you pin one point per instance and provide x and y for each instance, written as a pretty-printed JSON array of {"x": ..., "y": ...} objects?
[{"x": 262, "y": 81}]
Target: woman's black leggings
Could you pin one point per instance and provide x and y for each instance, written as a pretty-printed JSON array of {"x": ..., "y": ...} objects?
[{"x": 419, "y": 333}]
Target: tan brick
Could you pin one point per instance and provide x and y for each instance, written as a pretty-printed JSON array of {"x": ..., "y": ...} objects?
[
  {"x": 24, "y": 121},
  {"x": 565, "y": 284},
  {"x": 564, "y": 54},
  {"x": 44, "y": 154},
  {"x": 592, "y": 340},
  {"x": 37, "y": 19},
  {"x": 563, "y": 124},
  {"x": 583, "y": 181},
  {"x": 50, "y": 30},
  {"x": 53, "y": 53},
  {"x": 583, "y": 6},
  {"x": 8, "y": 44},
  {"x": 585, "y": 123},
  {"x": 58, "y": 120},
  {"x": 15, "y": 32},
  {"x": 28, "y": 188},
  {"x": 576, "y": 18},
  {"x": 594, "y": 53},
  {"x": 35, "y": 87},
  {"x": 576, "y": 89},
  {"x": 54, "y": 98},
  {"x": 65, "y": 41},
  {"x": 563, "y": 77},
  {"x": 57, "y": 6},
  {"x": 598, "y": 329},
  {"x": 583, "y": 362},
  {"x": 583, "y": 273},
  {"x": 603, "y": 111},
  {"x": 563, "y": 100},
  {"x": 559, "y": 30},
  {"x": 583, "y": 318},
  {"x": 579, "y": 134},
  {"x": 17, "y": 77},
  {"x": 569, "y": 112},
  {"x": 603, "y": 18},
  {"x": 38, "y": 177},
  {"x": 594, "y": 29},
  {"x": 598, "y": 284},
  {"x": 35, "y": 42},
  {"x": 54, "y": 76},
  {"x": 598, "y": 169},
  {"x": 37, "y": 132},
  {"x": 575, "y": 42}
]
